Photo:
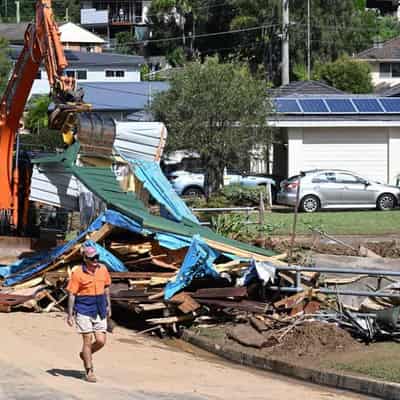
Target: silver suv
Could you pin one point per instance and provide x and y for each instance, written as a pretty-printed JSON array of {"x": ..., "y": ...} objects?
[{"x": 324, "y": 189}]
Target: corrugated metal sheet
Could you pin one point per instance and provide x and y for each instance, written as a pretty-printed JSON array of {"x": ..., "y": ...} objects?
[
  {"x": 54, "y": 187},
  {"x": 140, "y": 140}
]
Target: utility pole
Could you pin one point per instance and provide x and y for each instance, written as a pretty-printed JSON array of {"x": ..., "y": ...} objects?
[
  {"x": 309, "y": 39},
  {"x": 285, "y": 42},
  {"x": 17, "y": 12},
  {"x": 66, "y": 15},
  {"x": 5, "y": 8}
]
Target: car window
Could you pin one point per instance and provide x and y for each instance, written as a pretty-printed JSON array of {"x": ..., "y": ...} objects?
[
  {"x": 325, "y": 177},
  {"x": 346, "y": 178}
]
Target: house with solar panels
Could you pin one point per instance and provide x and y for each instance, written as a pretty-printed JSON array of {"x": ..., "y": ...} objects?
[{"x": 332, "y": 129}]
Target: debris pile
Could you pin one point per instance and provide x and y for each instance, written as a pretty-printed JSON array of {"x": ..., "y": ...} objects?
[{"x": 172, "y": 280}]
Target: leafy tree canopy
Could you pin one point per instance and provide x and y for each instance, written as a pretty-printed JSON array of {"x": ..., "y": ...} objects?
[
  {"x": 36, "y": 117},
  {"x": 346, "y": 74},
  {"x": 218, "y": 110},
  {"x": 5, "y": 64},
  {"x": 27, "y": 10}
]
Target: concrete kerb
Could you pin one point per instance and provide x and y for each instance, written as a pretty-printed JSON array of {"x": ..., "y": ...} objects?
[{"x": 367, "y": 386}]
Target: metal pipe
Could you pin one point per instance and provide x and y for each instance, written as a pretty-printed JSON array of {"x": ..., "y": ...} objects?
[
  {"x": 343, "y": 292},
  {"x": 247, "y": 209},
  {"x": 333, "y": 270}
]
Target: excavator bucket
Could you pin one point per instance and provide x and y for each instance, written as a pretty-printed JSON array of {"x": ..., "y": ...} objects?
[{"x": 95, "y": 133}]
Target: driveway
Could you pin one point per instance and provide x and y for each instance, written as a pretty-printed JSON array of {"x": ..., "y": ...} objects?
[{"x": 39, "y": 360}]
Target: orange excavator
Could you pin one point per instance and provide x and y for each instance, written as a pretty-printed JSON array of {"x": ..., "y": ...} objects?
[{"x": 42, "y": 45}]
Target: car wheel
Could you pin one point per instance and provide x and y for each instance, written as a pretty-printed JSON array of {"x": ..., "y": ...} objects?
[
  {"x": 309, "y": 204},
  {"x": 193, "y": 191},
  {"x": 386, "y": 202}
]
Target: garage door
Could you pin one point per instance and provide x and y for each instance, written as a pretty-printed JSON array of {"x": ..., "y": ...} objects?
[{"x": 362, "y": 150}]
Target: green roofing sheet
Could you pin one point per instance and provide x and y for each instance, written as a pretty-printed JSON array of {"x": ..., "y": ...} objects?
[
  {"x": 102, "y": 182},
  {"x": 67, "y": 157}
]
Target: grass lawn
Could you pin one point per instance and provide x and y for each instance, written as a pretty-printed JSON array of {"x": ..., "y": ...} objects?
[
  {"x": 335, "y": 222},
  {"x": 379, "y": 360}
]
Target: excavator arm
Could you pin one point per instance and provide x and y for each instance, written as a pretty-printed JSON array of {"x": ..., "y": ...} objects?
[{"x": 42, "y": 44}]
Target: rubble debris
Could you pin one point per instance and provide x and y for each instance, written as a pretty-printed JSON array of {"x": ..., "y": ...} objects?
[
  {"x": 170, "y": 281},
  {"x": 247, "y": 336}
]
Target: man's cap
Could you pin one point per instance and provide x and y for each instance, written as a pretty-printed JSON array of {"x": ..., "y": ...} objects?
[{"x": 89, "y": 251}]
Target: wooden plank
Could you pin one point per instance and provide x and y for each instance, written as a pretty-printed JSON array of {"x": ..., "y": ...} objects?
[
  {"x": 241, "y": 253},
  {"x": 245, "y": 305},
  {"x": 150, "y": 307},
  {"x": 169, "y": 320},
  {"x": 185, "y": 302},
  {"x": 140, "y": 275},
  {"x": 102, "y": 233},
  {"x": 144, "y": 259},
  {"x": 163, "y": 264},
  {"x": 218, "y": 293}
]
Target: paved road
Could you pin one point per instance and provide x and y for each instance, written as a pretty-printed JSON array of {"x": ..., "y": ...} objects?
[{"x": 38, "y": 360}]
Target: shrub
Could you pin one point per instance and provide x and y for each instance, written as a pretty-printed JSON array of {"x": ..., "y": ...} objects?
[{"x": 237, "y": 195}]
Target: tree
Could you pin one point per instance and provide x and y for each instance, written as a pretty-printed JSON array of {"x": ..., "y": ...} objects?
[
  {"x": 36, "y": 120},
  {"x": 5, "y": 65},
  {"x": 346, "y": 74},
  {"x": 218, "y": 110},
  {"x": 27, "y": 10},
  {"x": 125, "y": 43},
  {"x": 36, "y": 117}
]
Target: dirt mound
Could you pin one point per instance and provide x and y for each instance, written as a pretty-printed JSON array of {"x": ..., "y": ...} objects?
[
  {"x": 385, "y": 249},
  {"x": 314, "y": 338}
]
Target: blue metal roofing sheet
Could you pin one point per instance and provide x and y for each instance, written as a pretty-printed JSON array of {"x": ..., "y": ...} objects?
[{"x": 121, "y": 96}]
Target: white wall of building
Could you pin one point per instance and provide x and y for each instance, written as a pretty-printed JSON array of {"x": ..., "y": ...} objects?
[
  {"x": 370, "y": 151},
  {"x": 378, "y": 78},
  {"x": 41, "y": 86}
]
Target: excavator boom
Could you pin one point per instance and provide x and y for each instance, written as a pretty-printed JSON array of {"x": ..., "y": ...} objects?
[{"x": 42, "y": 44}]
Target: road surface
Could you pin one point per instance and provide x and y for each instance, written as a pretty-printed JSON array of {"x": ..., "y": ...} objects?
[{"x": 39, "y": 360}]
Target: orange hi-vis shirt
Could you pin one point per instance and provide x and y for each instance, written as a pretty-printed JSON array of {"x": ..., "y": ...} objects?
[{"x": 89, "y": 289}]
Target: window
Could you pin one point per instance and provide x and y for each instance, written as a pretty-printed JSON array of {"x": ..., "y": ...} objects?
[
  {"x": 81, "y": 74},
  {"x": 389, "y": 70},
  {"x": 70, "y": 73},
  {"x": 39, "y": 74},
  {"x": 325, "y": 177},
  {"x": 346, "y": 178},
  {"x": 112, "y": 73},
  {"x": 78, "y": 74},
  {"x": 396, "y": 70}
]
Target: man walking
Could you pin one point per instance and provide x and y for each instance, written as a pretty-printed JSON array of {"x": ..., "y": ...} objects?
[{"x": 89, "y": 301}]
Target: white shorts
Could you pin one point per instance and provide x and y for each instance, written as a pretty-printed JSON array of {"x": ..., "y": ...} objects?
[{"x": 86, "y": 324}]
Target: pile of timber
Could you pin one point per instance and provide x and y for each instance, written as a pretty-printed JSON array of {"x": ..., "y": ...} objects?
[{"x": 150, "y": 267}]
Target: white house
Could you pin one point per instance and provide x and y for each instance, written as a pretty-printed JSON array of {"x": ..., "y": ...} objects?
[
  {"x": 384, "y": 59},
  {"x": 352, "y": 132},
  {"x": 91, "y": 68},
  {"x": 74, "y": 37}
]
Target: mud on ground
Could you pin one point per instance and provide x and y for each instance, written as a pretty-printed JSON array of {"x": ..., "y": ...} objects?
[
  {"x": 389, "y": 249},
  {"x": 308, "y": 342}
]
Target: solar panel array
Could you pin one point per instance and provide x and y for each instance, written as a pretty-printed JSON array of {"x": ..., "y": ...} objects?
[{"x": 332, "y": 105}]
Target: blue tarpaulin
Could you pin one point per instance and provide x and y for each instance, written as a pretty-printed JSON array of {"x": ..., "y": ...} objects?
[
  {"x": 112, "y": 263},
  {"x": 198, "y": 263},
  {"x": 23, "y": 270},
  {"x": 153, "y": 179}
]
